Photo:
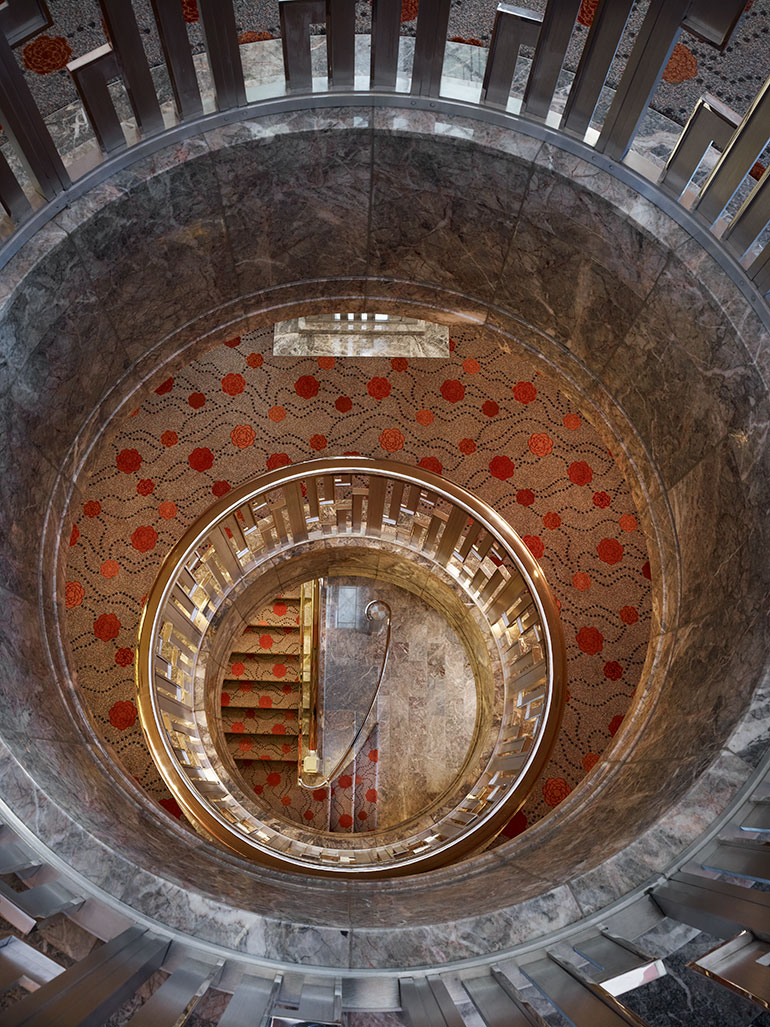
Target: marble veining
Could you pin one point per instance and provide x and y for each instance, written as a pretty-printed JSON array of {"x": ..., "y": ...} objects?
[{"x": 681, "y": 353}]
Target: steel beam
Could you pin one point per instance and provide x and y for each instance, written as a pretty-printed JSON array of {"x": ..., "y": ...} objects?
[
  {"x": 552, "y": 42},
  {"x": 91, "y": 74},
  {"x": 499, "y": 1003},
  {"x": 714, "y": 21},
  {"x": 252, "y": 1002},
  {"x": 712, "y": 123},
  {"x": 429, "y": 47},
  {"x": 126, "y": 40},
  {"x": 223, "y": 52},
  {"x": 599, "y": 51},
  {"x": 24, "y": 125},
  {"x": 386, "y": 34},
  {"x": 341, "y": 43},
  {"x": 738, "y": 158},
  {"x": 717, "y": 907},
  {"x": 296, "y": 18},
  {"x": 744, "y": 859},
  {"x": 172, "y": 31},
  {"x": 751, "y": 220},
  {"x": 656, "y": 40},
  {"x": 514, "y": 27},
  {"x": 742, "y": 965},
  {"x": 583, "y": 1003}
]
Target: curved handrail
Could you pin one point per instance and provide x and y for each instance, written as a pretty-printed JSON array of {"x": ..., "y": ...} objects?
[
  {"x": 419, "y": 511},
  {"x": 368, "y": 723}
]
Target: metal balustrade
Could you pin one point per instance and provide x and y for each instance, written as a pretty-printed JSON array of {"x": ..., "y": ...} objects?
[
  {"x": 112, "y": 971},
  {"x": 605, "y": 137},
  {"x": 413, "y": 511}
]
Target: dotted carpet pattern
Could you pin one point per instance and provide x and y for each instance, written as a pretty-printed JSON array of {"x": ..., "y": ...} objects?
[{"x": 486, "y": 419}]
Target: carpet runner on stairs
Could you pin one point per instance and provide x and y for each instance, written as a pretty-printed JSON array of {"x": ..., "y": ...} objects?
[{"x": 260, "y": 719}]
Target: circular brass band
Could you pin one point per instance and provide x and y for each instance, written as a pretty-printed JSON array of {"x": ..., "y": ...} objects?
[{"x": 475, "y": 838}]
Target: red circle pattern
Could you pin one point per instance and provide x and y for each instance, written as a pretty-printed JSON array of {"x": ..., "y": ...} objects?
[{"x": 482, "y": 417}]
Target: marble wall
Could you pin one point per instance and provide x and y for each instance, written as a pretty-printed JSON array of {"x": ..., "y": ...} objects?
[{"x": 265, "y": 220}]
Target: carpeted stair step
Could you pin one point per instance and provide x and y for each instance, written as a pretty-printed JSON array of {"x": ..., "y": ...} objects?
[
  {"x": 259, "y": 721},
  {"x": 266, "y": 641},
  {"x": 280, "y": 748},
  {"x": 264, "y": 696},
  {"x": 262, "y": 667},
  {"x": 282, "y": 611}
]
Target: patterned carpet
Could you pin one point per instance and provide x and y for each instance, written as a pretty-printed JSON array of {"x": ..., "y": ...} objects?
[
  {"x": 488, "y": 420},
  {"x": 734, "y": 76}
]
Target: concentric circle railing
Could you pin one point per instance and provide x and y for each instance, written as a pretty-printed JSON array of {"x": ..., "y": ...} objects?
[
  {"x": 416, "y": 512},
  {"x": 379, "y": 68}
]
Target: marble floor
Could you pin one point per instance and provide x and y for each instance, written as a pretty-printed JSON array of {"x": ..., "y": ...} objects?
[{"x": 426, "y": 709}]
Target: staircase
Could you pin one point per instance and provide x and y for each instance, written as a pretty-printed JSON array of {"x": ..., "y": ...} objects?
[{"x": 260, "y": 719}]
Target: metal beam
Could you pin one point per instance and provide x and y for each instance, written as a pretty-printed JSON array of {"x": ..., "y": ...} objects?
[
  {"x": 714, "y": 21},
  {"x": 123, "y": 32},
  {"x": 386, "y": 34},
  {"x": 175, "y": 999},
  {"x": 341, "y": 43},
  {"x": 499, "y": 1003},
  {"x": 552, "y": 42},
  {"x": 751, "y": 220},
  {"x": 429, "y": 47},
  {"x": 296, "y": 18},
  {"x": 90, "y": 74},
  {"x": 579, "y": 1000},
  {"x": 717, "y": 907},
  {"x": 712, "y": 123},
  {"x": 738, "y": 158},
  {"x": 742, "y": 965},
  {"x": 172, "y": 31},
  {"x": 599, "y": 51},
  {"x": 252, "y": 1002},
  {"x": 654, "y": 44},
  {"x": 514, "y": 27},
  {"x": 24, "y": 125},
  {"x": 223, "y": 52},
  {"x": 745, "y": 859}
]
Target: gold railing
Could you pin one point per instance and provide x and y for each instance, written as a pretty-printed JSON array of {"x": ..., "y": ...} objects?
[
  {"x": 310, "y": 633},
  {"x": 409, "y": 508},
  {"x": 313, "y": 772}
]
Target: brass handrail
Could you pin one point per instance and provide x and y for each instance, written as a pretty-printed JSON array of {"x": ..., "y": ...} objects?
[
  {"x": 368, "y": 722},
  {"x": 418, "y": 511}
]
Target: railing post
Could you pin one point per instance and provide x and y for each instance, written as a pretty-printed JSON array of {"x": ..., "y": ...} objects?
[
  {"x": 126, "y": 41},
  {"x": 649, "y": 57},
  {"x": 429, "y": 47},
  {"x": 386, "y": 29},
  {"x": 24, "y": 123},
  {"x": 514, "y": 27},
  {"x": 179, "y": 60},
  {"x": 552, "y": 42}
]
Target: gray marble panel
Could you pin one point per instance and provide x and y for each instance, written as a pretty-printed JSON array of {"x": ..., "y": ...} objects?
[
  {"x": 463, "y": 938},
  {"x": 175, "y": 258},
  {"x": 296, "y": 204},
  {"x": 427, "y": 226},
  {"x": 712, "y": 505},
  {"x": 699, "y": 382},
  {"x": 549, "y": 280}
]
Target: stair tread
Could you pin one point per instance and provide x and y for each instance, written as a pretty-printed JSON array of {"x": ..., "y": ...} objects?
[
  {"x": 263, "y": 698},
  {"x": 267, "y": 642}
]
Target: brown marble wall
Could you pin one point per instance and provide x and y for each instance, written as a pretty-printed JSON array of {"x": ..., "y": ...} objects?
[{"x": 219, "y": 234}]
